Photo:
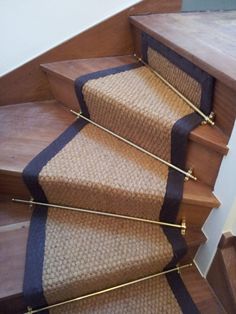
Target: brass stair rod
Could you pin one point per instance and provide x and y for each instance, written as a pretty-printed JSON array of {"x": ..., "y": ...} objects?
[
  {"x": 183, "y": 226},
  {"x": 31, "y": 311},
  {"x": 195, "y": 108},
  {"x": 188, "y": 174}
]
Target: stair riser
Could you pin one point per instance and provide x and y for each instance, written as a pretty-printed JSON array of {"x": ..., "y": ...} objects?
[
  {"x": 195, "y": 215},
  {"x": 205, "y": 161}
]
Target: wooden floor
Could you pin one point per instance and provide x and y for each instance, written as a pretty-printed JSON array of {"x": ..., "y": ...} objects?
[{"x": 204, "y": 38}]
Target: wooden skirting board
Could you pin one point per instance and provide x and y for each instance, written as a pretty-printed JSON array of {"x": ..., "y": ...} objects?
[
  {"x": 222, "y": 273},
  {"x": 109, "y": 38}
]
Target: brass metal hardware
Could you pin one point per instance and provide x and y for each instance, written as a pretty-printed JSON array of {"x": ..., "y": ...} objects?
[
  {"x": 29, "y": 309},
  {"x": 207, "y": 119},
  {"x": 182, "y": 226},
  {"x": 188, "y": 173},
  {"x": 178, "y": 268}
]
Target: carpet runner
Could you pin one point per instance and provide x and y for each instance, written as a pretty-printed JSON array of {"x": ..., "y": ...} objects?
[{"x": 72, "y": 254}]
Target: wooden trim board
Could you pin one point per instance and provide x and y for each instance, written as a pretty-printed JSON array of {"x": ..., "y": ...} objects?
[{"x": 222, "y": 273}]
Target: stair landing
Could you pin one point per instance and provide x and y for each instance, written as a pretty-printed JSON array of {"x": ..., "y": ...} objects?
[{"x": 192, "y": 36}]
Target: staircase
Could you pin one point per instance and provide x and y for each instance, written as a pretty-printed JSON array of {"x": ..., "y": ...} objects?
[{"x": 111, "y": 251}]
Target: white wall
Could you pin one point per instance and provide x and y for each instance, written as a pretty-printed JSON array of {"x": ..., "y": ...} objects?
[
  {"x": 230, "y": 225},
  {"x": 28, "y": 28},
  {"x": 224, "y": 218}
]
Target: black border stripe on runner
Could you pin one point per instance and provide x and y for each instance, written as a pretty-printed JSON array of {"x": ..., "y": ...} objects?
[
  {"x": 33, "y": 286},
  {"x": 206, "y": 81},
  {"x": 175, "y": 183}
]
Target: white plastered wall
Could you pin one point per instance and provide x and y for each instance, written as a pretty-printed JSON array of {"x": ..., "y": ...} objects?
[{"x": 28, "y": 28}]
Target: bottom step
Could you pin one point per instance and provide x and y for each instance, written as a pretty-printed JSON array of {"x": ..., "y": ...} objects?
[{"x": 14, "y": 233}]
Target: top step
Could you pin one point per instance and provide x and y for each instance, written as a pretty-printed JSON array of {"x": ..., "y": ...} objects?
[
  {"x": 63, "y": 74},
  {"x": 205, "y": 39}
]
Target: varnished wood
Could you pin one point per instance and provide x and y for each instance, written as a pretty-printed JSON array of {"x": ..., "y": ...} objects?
[
  {"x": 222, "y": 272},
  {"x": 201, "y": 293},
  {"x": 26, "y": 129},
  {"x": 195, "y": 215},
  {"x": 196, "y": 193},
  {"x": 12, "y": 261},
  {"x": 224, "y": 105},
  {"x": 204, "y": 38},
  {"x": 39, "y": 125},
  {"x": 204, "y": 161},
  {"x": 216, "y": 139},
  {"x": 108, "y": 38},
  {"x": 12, "y": 215}
]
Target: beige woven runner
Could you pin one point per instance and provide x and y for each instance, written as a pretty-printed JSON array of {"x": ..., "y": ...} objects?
[
  {"x": 138, "y": 106},
  {"x": 88, "y": 168}
]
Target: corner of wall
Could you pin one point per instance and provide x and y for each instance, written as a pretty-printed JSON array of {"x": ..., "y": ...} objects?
[{"x": 221, "y": 218}]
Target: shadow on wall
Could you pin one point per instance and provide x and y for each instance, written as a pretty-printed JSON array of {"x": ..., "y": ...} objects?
[{"x": 204, "y": 5}]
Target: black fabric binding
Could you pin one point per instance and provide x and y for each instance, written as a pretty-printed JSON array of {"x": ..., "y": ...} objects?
[
  {"x": 175, "y": 183},
  {"x": 33, "y": 287}
]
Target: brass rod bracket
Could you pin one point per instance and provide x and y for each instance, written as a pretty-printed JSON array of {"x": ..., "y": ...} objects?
[
  {"x": 189, "y": 174},
  {"x": 31, "y": 204},
  {"x": 184, "y": 226},
  {"x": 29, "y": 309},
  {"x": 209, "y": 120}
]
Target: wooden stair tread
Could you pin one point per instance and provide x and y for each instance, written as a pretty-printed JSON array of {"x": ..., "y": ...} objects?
[
  {"x": 211, "y": 137},
  {"x": 199, "y": 194},
  {"x": 186, "y": 34},
  {"x": 23, "y": 138},
  {"x": 13, "y": 249},
  {"x": 216, "y": 139},
  {"x": 40, "y": 124}
]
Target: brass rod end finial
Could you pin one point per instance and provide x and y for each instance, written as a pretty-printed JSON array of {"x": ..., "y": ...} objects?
[{"x": 189, "y": 175}]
